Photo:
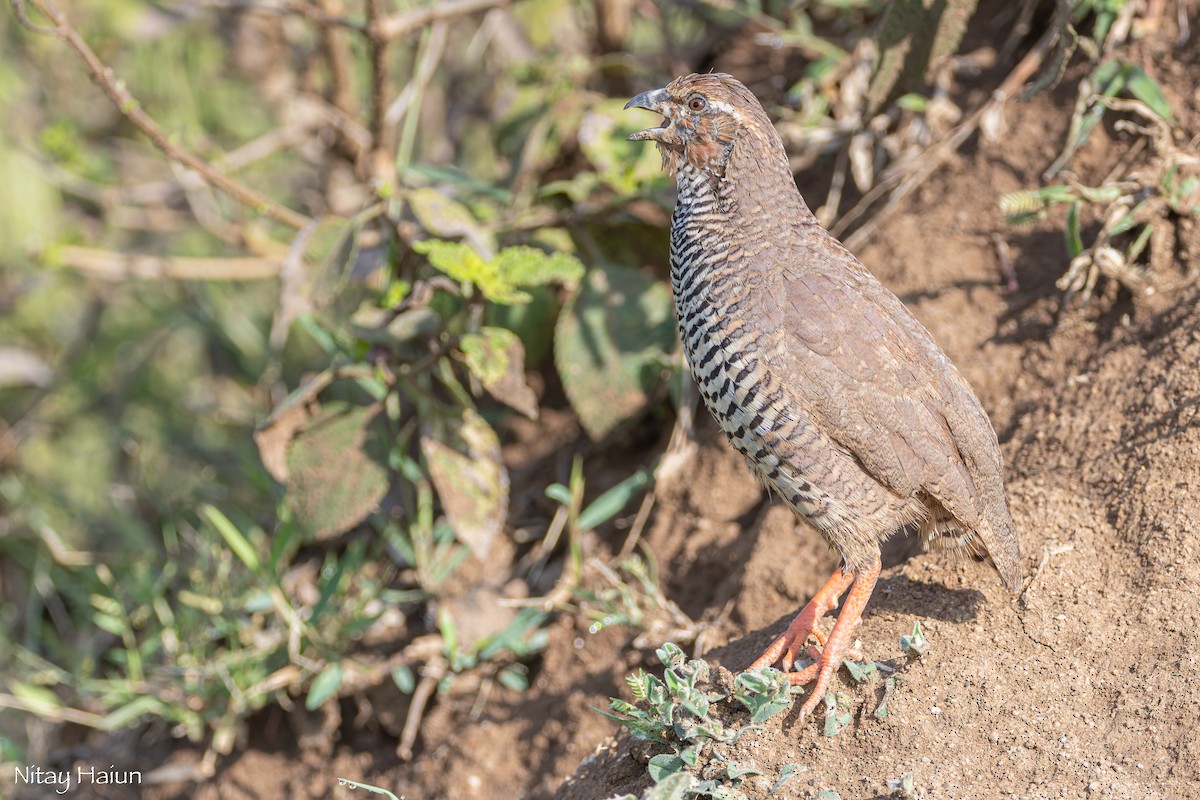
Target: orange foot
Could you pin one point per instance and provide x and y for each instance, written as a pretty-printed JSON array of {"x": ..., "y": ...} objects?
[{"x": 836, "y": 648}]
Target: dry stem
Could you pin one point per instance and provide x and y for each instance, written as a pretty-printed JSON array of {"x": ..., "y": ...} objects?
[{"x": 112, "y": 265}]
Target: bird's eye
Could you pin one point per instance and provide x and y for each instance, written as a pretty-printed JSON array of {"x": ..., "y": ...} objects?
[{"x": 697, "y": 103}]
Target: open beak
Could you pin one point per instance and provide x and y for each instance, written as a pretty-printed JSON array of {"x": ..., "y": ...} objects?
[{"x": 654, "y": 100}]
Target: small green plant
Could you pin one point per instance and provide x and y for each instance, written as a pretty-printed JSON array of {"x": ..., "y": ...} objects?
[
  {"x": 915, "y": 644},
  {"x": 675, "y": 711},
  {"x": 839, "y": 713},
  {"x": 764, "y": 693},
  {"x": 1136, "y": 212},
  {"x": 501, "y": 652},
  {"x": 225, "y": 626},
  {"x": 672, "y": 710},
  {"x": 1097, "y": 93},
  {"x": 630, "y": 595},
  {"x": 786, "y": 773},
  {"x": 905, "y": 785}
]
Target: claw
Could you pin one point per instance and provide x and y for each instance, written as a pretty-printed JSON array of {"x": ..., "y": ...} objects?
[{"x": 835, "y": 648}]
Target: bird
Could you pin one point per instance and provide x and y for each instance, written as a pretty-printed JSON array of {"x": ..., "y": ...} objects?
[{"x": 837, "y": 396}]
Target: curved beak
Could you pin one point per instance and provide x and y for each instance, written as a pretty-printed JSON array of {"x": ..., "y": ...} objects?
[{"x": 654, "y": 100}]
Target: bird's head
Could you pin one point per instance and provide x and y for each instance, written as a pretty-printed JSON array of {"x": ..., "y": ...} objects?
[{"x": 705, "y": 116}]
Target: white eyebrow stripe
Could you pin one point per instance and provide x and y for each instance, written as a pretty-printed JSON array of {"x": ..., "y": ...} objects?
[{"x": 721, "y": 105}]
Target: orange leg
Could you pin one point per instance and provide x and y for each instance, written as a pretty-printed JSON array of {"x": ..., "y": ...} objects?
[
  {"x": 791, "y": 643},
  {"x": 837, "y": 646}
]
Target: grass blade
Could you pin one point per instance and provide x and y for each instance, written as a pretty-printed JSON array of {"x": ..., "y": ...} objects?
[{"x": 238, "y": 543}]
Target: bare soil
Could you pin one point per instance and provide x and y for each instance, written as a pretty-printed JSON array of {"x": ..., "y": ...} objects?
[{"x": 1082, "y": 686}]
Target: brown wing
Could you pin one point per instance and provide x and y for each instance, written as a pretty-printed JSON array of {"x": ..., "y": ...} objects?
[{"x": 871, "y": 376}]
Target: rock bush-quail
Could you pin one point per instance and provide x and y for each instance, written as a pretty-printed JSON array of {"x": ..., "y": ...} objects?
[{"x": 836, "y": 395}]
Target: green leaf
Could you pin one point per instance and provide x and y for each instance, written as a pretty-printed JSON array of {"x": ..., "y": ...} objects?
[
  {"x": 449, "y": 631},
  {"x": 611, "y": 346},
  {"x": 497, "y": 358},
  {"x": 325, "y": 685},
  {"x": 233, "y": 537},
  {"x": 325, "y": 275},
  {"x": 513, "y": 677},
  {"x": 528, "y": 266},
  {"x": 460, "y": 262},
  {"x": 672, "y": 787},
  {"x": 1125, "y": 223},
  {"x": 912, "y": 102},
  {"x": 764, "y": 693},
  {"x": 1074, "y": 239},
  {"x": 107, "y": 622},
  {"x": 463, "y": 456},
  {"x": 860, "y": 672},
  {"x": 663, "y": 765},
  {"x": 523, "y": 636},
  {"x": 610, "y": 503},
  {"x": 838, "y": 713},
  {"x": 368, "y": 787},
  {"x": 337, "y": 468},
  {"x": 41, "y": 701},
  {"x": 670, "y": 654},
  {"x": 559, "y": 494},
  {"x": 499, "y": 279},
  {"x": 404, "y": 678},
  {"x": 1145, "y": 89},
  {"x": 274, "y": 434},
  {"x": 281, "y": 542},
  {"x": 915, "y": 643},
  {"x": 786, "y": 772},
  {"x": 131, "y": 712},
  {"x": 1139, "y": 244},
  {"x": 443, "y": 217},
  {"x": 737, "y": 771}
]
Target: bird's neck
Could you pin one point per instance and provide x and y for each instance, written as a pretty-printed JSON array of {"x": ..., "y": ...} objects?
[
  {"x": 753, "y": 190},
  {"x": 727, "y": 220}
]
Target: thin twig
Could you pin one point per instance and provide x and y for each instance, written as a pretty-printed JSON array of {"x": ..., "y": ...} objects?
[
  {"x": 403, "y": 23},
  {"x": 1006, "y": 262},
  {"x": 382, "y": 162},
  {"x": 430, "y": 675},
  {"x": 129, "y": 106},
  {"x": 52, "y": 714},
  {"x": 288, "y": 8},
  {"x": 639, "y": 525},
  {"x": 23, "y": 18},
  {"x": 263, "y": 147},
  {"x": 337, "y": 53},
  {"x": 111, "y": 265}
]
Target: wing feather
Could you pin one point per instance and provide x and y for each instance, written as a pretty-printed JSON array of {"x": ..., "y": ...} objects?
[{"x": 869, "y": 374}]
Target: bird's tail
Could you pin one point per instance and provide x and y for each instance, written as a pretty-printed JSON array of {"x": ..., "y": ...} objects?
[{"x": 941, "y": 531}]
